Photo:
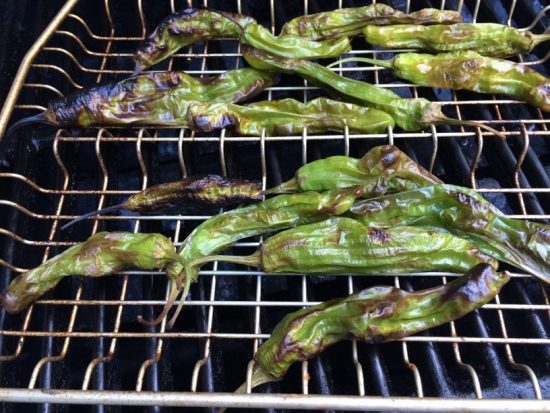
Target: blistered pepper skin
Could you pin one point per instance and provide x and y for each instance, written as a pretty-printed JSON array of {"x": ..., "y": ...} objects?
[
  {"x": 342, "y": 245},
  {"x": 289, "y": 117},
  {"x": 350, "y": 21},
  {"x": 153, "y": 99},
  {"x": 467, "y": 214},
  {"x": 410, "y": 114},
  {"x": 487, "y": 39},
  {"x": 374, "y": 315},
  {"x": 383, "y": 169},
  {"x": 102, "y": 254},
  {"x": 185, "y": 28}
]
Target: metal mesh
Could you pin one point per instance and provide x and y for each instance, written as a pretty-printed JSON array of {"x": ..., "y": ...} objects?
[{"x": 76, "y": 170}]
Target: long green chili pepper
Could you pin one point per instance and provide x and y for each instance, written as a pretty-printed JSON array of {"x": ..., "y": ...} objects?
[
  {"x": 487, "y": 39},
  {"x": 156, "y": 99},
  {"x": 350, "y": 21},
  {"x": 410, "y": 114},
  {"x": 288, "y": 117},
  {"x": 211, "y": 190},
  {"x": 382, "y": 169},
  {"x": 464, "y": 212},
  {"x": 184, "y": 28},
  {"x": 223, "y": 230},
  {"x": 344, "y": 246},
  {"x": 471, "y": 71},
  {"x": 102, "y": 254},
  {"x": 374, "y": 315}
]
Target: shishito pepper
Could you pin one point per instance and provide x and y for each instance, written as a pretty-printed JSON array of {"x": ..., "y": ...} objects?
[
  {"x": 211, "y": 190},
  {"x": 184, "y": 28},
  {"x": 102, "y": 254},
  {"x": 487, "y": 39},
  {"x": 156, "y": 99},
  {"x": 470, "y": 71},
  {"x": 410, "y": 114},
  {"x": 467, "y": 214},
  {"x": 350, "y": 21},
  {"x": 288, "y": 117},
  {"x": 383, "y": 169},
  {"x": 374, "y": 315},
  {"x": 344, "y": 246}
]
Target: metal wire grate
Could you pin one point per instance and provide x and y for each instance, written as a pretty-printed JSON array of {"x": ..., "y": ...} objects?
[{"x": 84, "y": 328}]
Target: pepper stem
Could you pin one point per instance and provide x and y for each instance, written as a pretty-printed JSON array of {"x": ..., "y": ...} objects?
[
  {"x": 539, "y": 38},
  {"x": 174, "y": 292},
  {"x": 92, "y": 213},
  {"x": 287, "y": 187},
  {"x": 38, "y": 118},
  {"x": 473, "y": 123},
  {"x": 259, "y": 377},
  {"x": 253, "y": 260},
  {"x": 388, "y": 64}
]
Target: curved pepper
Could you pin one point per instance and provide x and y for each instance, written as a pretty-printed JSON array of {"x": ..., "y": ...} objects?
[
  {"x": 467, "y": 214},
  {"x": 350, "y": 21},
  {"x": 410, "y": 114},
  {"x": 184, "y": 28},
  {"x": 470, "y": 71},
  {"x": 102, "y": 254},
  {"x": 211, "y": 190},
  {"x": 344, "y": 246},
  {"x": 374, "y": 315},
  {"x": 289, "y": 117},
  {"x": 487, "y": 39},
  {"x": 384, "y": 168},
  {"x": 156, "y": 99}
]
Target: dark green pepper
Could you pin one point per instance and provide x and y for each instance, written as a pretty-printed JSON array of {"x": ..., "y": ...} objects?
[
  {"x": 344, "y": 246},
  {"x": 487, "y": 39},
  {"x": 467, "y": 214},
  {"x": 351, "y": 21},
  {"x": 410, "y": 114},
  {"x": 185, "y": 28},
  {"x": 289, "y": 117},
  {"x": 470, "y": 71},
  {"x": 211, "y": 190},
  {"x": 374, "y": 315},
  {"x": 102, "y": 254},
  {"x": 383, "y": 169},
  {"x": 155, "y": 99}
]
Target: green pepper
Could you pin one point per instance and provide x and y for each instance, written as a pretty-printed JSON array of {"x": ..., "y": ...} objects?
[
  {"x": 487, "y": 39},
  {"x": 289, "y": 117},
  {"x": 467, "y": 214},
  {"x": 156, "y": 99},
  {"x": 350, "y": 21},
  {"x": 102, "y": 254},
  {"x": 185, "y": 28},
  {"x": 344, "y": 246},
  {"x": 374, "y": 315},
  {"x": 223, "y": 230},
  {"x": 471, "y": 71},
  {"x": 410, "y": 114},
  {"x": 211, "y": 190},
  {"x": 383, "y": 169}
]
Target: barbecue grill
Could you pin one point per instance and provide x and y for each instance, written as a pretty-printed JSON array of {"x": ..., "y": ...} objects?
[{"x": 81, "y": 343}]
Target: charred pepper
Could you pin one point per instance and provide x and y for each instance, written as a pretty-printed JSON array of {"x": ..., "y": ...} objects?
[
  {"x": 469, "y": 71},
  {"x": 487, "y": 39},
  {"x": 374, "y": 315},
  {"x": 211, "y": 190},
  {"x": 350, "y": 21},
  {"x": 344, "y": 246},
  {"x": 185, "y": 28},
  {"x": 156, "y": 99},
  {"x": 102, "y": 254},
  {"x": 383, "y": 169},
  {"x": 467, "y": 214},
  {"x": 288, "y": 117},
  {"x": 410, "y": 114}
]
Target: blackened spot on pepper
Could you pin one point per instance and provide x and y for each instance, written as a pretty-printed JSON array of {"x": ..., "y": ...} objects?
[
  {"x": 379, "y": 235},
  {"x": 389, "y": 156}
]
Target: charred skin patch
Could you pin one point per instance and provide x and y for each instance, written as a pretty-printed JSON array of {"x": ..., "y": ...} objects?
[{"x": 379, "y": 235}]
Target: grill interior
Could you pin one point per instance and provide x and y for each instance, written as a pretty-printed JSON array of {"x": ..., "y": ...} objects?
[{"x": 84, "y": 334}]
